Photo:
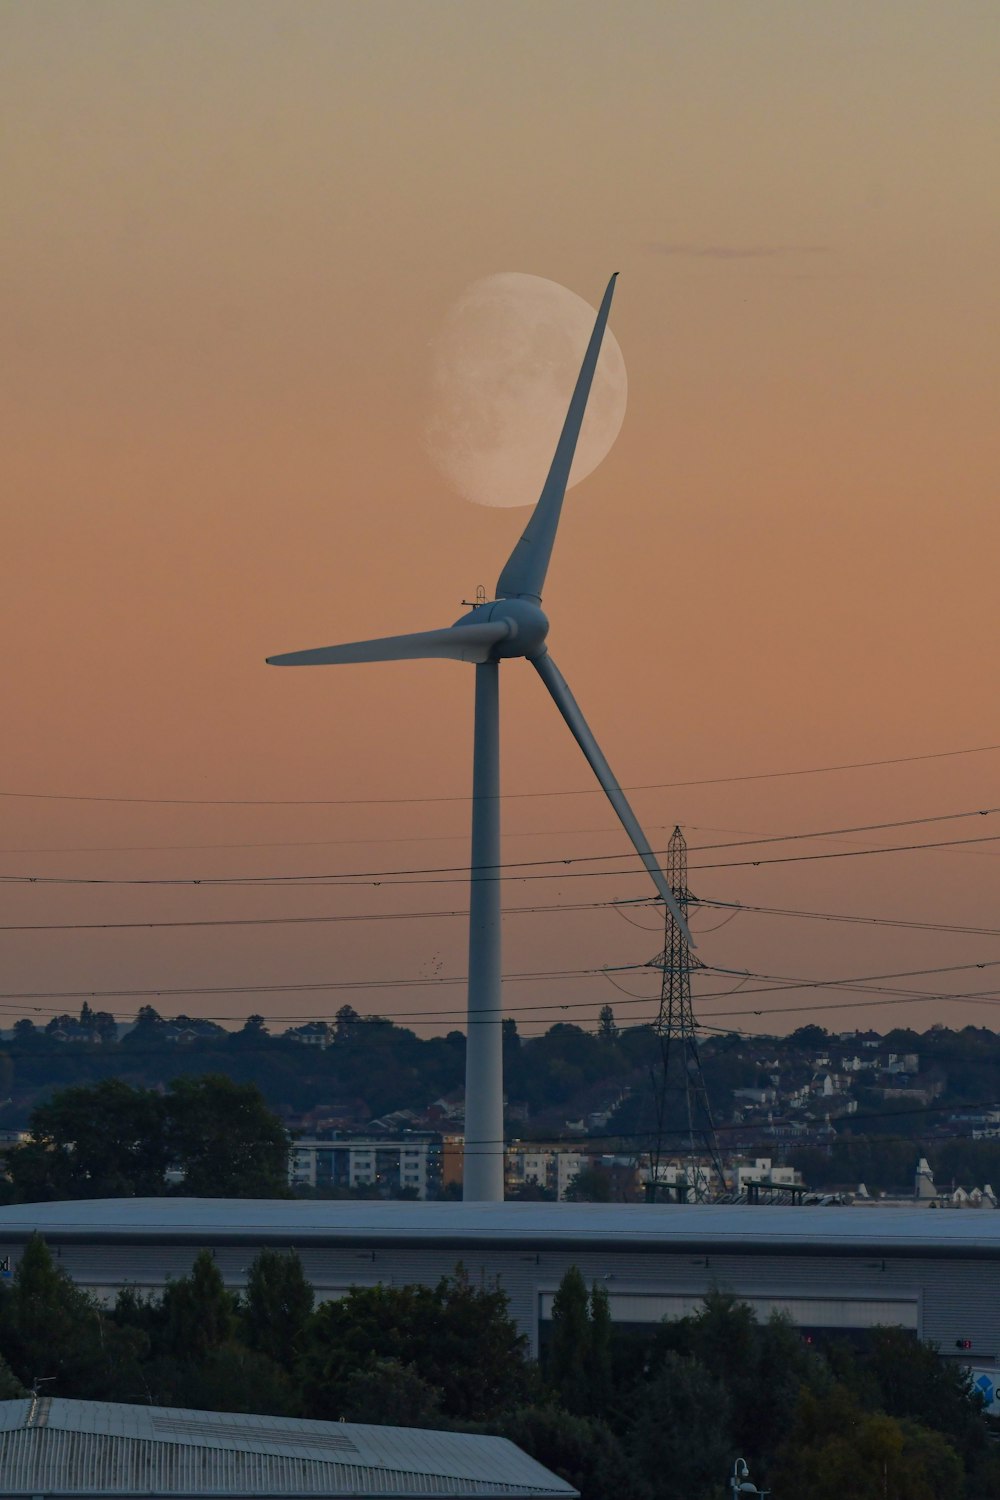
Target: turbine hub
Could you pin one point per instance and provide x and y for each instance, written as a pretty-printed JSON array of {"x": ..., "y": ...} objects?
[{"x": 528, "y": 626}]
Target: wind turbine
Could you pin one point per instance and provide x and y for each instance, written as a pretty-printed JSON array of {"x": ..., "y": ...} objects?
[{"x": 510, "y": 625}]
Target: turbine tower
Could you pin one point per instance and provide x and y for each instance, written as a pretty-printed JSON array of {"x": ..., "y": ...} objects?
[
  {"x": 510, "y": 625},
  {"x": 684, "y": 1124}
]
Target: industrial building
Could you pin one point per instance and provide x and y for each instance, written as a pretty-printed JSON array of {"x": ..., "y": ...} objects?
[
  {"x": 831, "y": 1269},
  {"x": 50, "y": 1446}
]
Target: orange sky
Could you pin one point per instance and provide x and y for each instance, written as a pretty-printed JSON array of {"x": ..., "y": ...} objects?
[{"x": 231, "y": 232}]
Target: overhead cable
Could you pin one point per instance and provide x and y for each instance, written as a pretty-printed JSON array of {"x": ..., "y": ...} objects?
[
  {"x": 429, "y": 875},
  {"x": 857, "y": 765}
]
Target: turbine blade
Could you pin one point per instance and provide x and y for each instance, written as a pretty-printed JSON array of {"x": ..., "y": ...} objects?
[
  {"x": 523, "y": 575},
  {"x": 570, "y": 710},
  {"x": 455, "y": 643}
]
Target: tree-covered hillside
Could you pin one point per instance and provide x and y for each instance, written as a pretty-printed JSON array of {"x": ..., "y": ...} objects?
[{"x": 851, "y": 1109}]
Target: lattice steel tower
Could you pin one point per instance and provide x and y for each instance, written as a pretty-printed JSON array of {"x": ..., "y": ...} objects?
[{"x": 684, "y": 1130}]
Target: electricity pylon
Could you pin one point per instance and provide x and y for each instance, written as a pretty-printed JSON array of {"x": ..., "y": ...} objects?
[{"x": 684, "y": 1128}]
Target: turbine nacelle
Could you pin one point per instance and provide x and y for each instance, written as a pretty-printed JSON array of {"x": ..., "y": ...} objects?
[{"x": 527, "y": 626}]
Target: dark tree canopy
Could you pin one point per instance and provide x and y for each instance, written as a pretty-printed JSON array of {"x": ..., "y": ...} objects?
[
  {"x": 459, "y": 1338},
  {"x": 658, "y": 1421},
  {"x": 578, "y": 1366},
  {"x": 276, "y": 1306},
  {"x": 102, "y": 1142},
  {"x": 225, "y": 1139},
  {"x": 113, "y": 1140},
  {"x": 199, "y": 1314}
]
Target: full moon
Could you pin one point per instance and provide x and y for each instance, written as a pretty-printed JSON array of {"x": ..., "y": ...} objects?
[{"x": 503, "y": 368}]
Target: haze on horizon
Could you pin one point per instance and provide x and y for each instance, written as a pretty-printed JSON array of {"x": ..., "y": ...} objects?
[{"x": 232, "y": 234}]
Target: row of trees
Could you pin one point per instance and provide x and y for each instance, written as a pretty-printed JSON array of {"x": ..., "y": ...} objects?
[
  {"x": 640, "y": 1419},
  {"x": 207, "y": 1137}
]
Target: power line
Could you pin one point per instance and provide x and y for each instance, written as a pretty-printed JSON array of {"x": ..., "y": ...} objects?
[
  {"x": 556, "y": 1010},
  {"x": 418, "y": 838},
  {"x": 787, "y": 981},
  {"x": 529, "y": 864},
  {"x": 734, "y": 908},
  {"x": 857, "y": 765},
  {"x": 738, "y": 907},
  {"x": 427, "y": 875},
  {"x": 865, "y": 984},
  {"x": 396, "y": 838},
  {"x": 973, "y": 997},
  {"x": 335, "y": 985},
  {"x": 453, "y": 838},
  {"x": 824, "y": 833},
  {"x": 388, "y": 916}
]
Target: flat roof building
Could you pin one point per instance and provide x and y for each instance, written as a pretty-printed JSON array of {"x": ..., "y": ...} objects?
[{"x": 936, "y": 1272}]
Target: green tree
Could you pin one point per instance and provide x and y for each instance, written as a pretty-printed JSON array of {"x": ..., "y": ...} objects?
[
  {"x": 607, "y": 1028},
  {"x": 600, "y": 1363},
  {"x": 914, "y": 1382},
  {"x": 43, "y": 1316},
  {"x": 680, "y": 1437},
  {"x": 253, "y": 1036},
  {"x": 763, "y": 1368},
  {"x": 10, "y": 1387},
  {"x": 276, "y": 1306},
  {"x": 104, "y": 1023},
  {"x": 107, "y": 1141},
  {"x": 532, "y": 1192},
  {"x": 142, "y": 1315},
  {"x": 389, "y": 1394},
  {"x": 477, "y": 1357},
  {"x": 582, "y": 1450},
  {"x": 459, "y": 1338},
  {"x": 567, "y": 1365},
  {"x": 112, "y": 1140},
  {"x": 766, "y": 1398},
  {"x": 39, "y": 1173},
  {"x": 147, "y": 1018},
  {"x": 51, "y": 1330},
  {"x": 579, "y": 1364},
  {"x": 198, "y": 1313},
  {"x": 230, "y": 1377},
  {"x": 590, "y": 1185},
  {"x": 346, "y": 1023},
  {"x": 369, "y": 1323},
  {"x": 836, "y": 1449},
  {"x": 225, "y": 1140},
  {"x": 723, "y": 1335},
  {"x": 809, "y": 1038},
  {"x": 932, "y": 1462}
]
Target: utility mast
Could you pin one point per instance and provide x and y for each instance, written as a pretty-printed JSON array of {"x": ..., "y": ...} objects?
[{"x": 684, "y": 1130}]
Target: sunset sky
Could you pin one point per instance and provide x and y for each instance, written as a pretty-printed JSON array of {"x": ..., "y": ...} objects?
[{"x": 233, "y": 229}]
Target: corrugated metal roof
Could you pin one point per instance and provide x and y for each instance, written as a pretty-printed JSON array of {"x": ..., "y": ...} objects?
[
  {"x": 619, "y": 1225},
  {"x": 56, "y": 1446}
]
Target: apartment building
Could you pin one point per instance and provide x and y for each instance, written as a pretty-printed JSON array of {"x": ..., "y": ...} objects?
[{"x": 412, "y": 1163}]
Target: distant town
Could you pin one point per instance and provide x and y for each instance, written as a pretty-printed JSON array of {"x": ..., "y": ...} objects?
[{"x": 373, "y": 1110}]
